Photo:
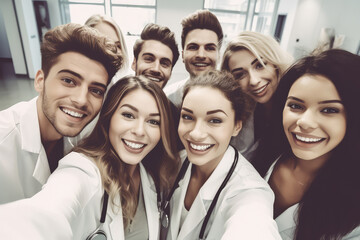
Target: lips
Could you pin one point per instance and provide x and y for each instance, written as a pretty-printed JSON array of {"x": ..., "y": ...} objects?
[
  {"x": 199, "y": 148},
  {"x": 307, "y": 140},
  {"x": 200, "y": 64},
  {"x": 155, "y": 79},
  {"x": 260, "y": 90},
  {"x": 72, "y": 113},
  {"x": 134, "y": 146}
]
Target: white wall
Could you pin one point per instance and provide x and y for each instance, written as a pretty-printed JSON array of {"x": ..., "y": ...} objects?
[
  {"x": 13, "y": 36},
  {"x": 312, "y": 15},
  {"x": 4, "y": 43}
]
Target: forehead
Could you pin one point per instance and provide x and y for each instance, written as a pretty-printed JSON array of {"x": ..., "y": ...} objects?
[
  {"x": 201, "y": 37},
  {"x": 141, "y": 99},
  {"x": 242, "y": 58},
  {"x": 314, "y": 87},
  {"x": 203, "y": 99},
  {"x": 157, "y": 49}
]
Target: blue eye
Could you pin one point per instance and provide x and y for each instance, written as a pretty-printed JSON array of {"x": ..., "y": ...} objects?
[
  {"x": 330, "y": 110},
  {"x": 127, "y": 115},
  {"x": 186, "y": 117},
  {"x": 294, "y": 106},
  {"x": 215, "y": 120},
  {"x": 154, "y": 122}
]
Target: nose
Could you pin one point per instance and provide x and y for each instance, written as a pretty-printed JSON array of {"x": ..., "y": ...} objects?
[
  {"x": 80, "y": 96},
  {"x": 138, "y": 128},
  {"x": 156, "y": 67},
  {"x": 198, "y": 133},
  {"x": 201, "y": 52},
  {"x": 254, "y": 79},
  {"x": 307, "y": 120}
]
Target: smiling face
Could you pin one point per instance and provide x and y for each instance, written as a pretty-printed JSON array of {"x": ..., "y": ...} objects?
[
  {"x": 258, "y": 81},
  {"x": 135, "y": 126},
  {"x": 70, "y": 96},
  {"x": 206, "y": 125},
  {"x": 314, "y": 118},
  {"x": 201, "y": 51},
  {"x": 154, "y": 62}
]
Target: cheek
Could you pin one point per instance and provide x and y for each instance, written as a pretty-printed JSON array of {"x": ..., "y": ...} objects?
[{"x": 244, "y": 83}]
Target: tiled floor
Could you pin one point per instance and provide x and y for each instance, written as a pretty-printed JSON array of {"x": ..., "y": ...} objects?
[{"x": 14, "y": 88}]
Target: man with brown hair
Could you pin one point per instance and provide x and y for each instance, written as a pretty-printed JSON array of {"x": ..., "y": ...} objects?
[
  {"x": 77, "y": 65},
  {"x": 155, "y": 54},
  {"x": 201, "y": 40}
]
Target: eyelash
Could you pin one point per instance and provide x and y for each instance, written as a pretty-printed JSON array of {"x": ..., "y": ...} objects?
[
  {"x": 127, "y": 115},
  {"x": 327, "y": 110}
]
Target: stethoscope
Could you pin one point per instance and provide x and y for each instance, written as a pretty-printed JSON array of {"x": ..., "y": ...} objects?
[
  {"x": 99, "y": 233},
  {"x": 164, "y": 207}
]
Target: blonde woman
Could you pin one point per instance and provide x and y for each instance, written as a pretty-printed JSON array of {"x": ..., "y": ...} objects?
[
  {"x": 107, "y": 26},
  {"x": 128, "y": 157},
  {"x": 257, "y": 62}
]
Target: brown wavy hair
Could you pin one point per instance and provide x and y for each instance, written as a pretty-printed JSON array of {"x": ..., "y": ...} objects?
[{"x": 161, "y": 163}]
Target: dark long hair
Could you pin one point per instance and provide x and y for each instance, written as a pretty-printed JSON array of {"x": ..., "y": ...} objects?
[
  {"x": 161, "y": 162},
  {"x": 330, "y": 208}
]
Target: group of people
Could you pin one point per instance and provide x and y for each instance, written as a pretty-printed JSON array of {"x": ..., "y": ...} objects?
[{"x": 263, "y": 149}]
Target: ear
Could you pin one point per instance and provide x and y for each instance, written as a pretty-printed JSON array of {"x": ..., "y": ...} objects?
[
  {"x": 182, "y": 56},
  {"x": 39, "y": 81},
  {"x": 237, "y": 128},
  {"x": 133, "y": 65}
]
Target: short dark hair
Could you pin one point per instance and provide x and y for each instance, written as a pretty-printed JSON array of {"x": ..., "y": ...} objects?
[
  {"x": 201, "y": 19},
  {"x": 159, "y": 33},
  {"x": 84, "y": 40}
]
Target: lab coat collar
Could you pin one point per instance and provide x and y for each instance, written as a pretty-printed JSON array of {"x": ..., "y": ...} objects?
[
  {"x": 31, "y": 141},
  {"x": 150, "y": 201},
  {"x": 204, "y": 198},
  {"x": 115, "y": 219}
]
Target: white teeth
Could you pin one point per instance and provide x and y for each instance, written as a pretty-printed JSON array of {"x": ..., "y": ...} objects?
[
  {"x": 305, "y": 139},
  {"x": 154, "y": 79},
  {"x": 260, "y": 89},
  {"x": 200, "y": 64},
  {"x": 200, "y": 147},
  {"x": 72, "y": 113},
  {"x": 134, "y": 145}
]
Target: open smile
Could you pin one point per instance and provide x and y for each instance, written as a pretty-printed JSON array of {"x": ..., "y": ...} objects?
[
  {"x": 199, "y": 148},
  {"x": 260, "y": 90},
  {"x": 72, "y": 113},
  {"x": 134, "y": 146},
  {"x": 201, "y": 64},
  {"x": 155, "y": 79},
  {"x": 306, "y": 141}
]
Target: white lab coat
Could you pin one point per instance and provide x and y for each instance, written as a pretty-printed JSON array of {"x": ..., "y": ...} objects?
[
  {"x": 244, "y": 209},
  {"x": 69, "y": 206},
  {"x": 286, "y": 221},
  {"x": 174, "y": 92},
  {"x": 24, "y": 166}
]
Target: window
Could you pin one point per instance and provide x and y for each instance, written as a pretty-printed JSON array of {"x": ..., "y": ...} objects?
[
  {"x": 236, "y": 16},
  {"x": 130, "y": 15}
]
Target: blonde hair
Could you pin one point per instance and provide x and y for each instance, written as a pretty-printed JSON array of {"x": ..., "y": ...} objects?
[
  {"x": 263, "y": 47},
  {"x": 161, "y": 163},
  {"x": 96, "y": 19}
]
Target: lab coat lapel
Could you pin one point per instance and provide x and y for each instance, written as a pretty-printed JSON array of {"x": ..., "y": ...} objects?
[
  {"x": 150, "y": 201},
  {"x": 31, "y": 142},
  {"x": 196, "y": 214},
  {"x": 116, "y": 224},
  {"x": 287, "y": 219},
  {"x": 179, "y": 195}
]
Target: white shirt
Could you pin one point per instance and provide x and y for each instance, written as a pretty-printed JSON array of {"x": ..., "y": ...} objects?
[
  {"x": 175, "y": 91},
  {"x": 286, "y": 221},
  {"x": 24, "y": 164},
  {"x": 69, "y": 206},
  {"x": 244, "y": 209}
]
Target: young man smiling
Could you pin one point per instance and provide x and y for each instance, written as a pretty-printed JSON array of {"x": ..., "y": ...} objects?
[
  {"x": 155, "y": 54},
  {"x": 201, "y": 40},
  {"x": 77, "y": 65}
]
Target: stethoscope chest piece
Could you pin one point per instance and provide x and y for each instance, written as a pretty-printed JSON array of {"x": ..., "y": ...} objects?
[{"x": 164, "y": 219}]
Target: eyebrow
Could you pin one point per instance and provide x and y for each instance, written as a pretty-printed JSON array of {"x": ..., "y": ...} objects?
[
  {"x": 137, "y": 110},
  {"x": 240, "y": 68},
  {"x": 321, "y": 102},
  {"x": 207, "y": 113},
  {"x": 81, "y": 77}
]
